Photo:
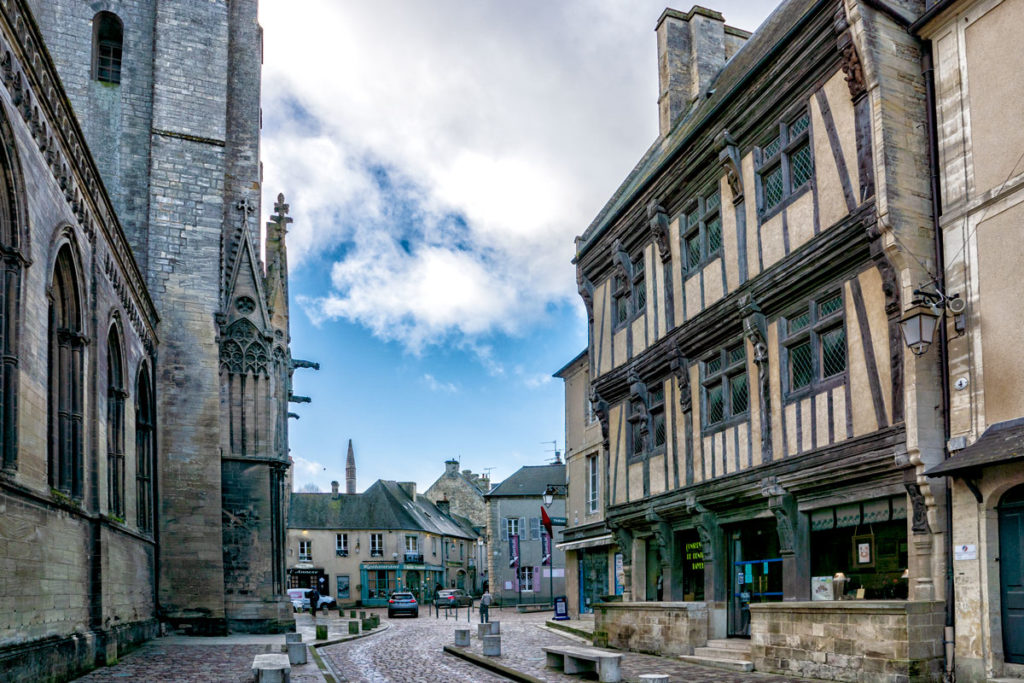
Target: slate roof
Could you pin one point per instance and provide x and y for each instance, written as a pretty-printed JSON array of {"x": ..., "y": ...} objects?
[
  {"x": 384, "y": 505},
  {"x": 530, "y": 480},
  {"x": 1001, "y": 443},
  {"x": 743, "y": 65}
]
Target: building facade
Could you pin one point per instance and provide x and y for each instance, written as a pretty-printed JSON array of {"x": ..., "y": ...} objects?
[
  {"x": 974, "y": 75},
  {"x": 146, "y": 365},
  {"x": 517, "y": 568},
  {"x": 592, "y": 559},
  {"x": 768, "y": 430},
  {"x": 461, "y": 494},
  {"x": 361, "y": 547}
]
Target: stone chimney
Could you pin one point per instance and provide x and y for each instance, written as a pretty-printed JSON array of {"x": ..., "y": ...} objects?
[
  {"x": 444, "y": 506},
  {"x": 692, "y": 48},
  {"x": 350, "y": 469},
  {"x": 410, "y": 488},
  {"x": 451, "y": 467},
  {"x": 334, "y": 487}
]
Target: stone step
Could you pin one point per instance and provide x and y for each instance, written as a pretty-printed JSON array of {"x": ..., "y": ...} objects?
[
  {"x": 730, "y": 643},
  {"x": 722, "y": 653},
  {"x": 727, "y": 664}
]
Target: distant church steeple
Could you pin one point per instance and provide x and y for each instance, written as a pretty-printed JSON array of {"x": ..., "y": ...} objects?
[{"x": 350, "y": 470}]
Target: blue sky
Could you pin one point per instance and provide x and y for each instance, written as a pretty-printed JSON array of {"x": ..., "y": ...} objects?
[{"x": 439, "y": 158}]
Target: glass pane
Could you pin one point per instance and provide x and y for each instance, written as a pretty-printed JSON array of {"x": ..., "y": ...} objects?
[
  {"x": 740, "y": 394},
  {"x": 693, "y": 251},
  {"x": 736, "y": 354},
  {"x": 621, "y": 312},
  {"x": 799, "y": 322},
  {"x": 638, "y": 440},
  {"x": 713, "y": 366},
  {"x": 830, "y": 306},
  {"x": 716, "y": 406},
  {"x": 771, "y": 148},
  {"x": 799, "y": 126},
  {"x": 833, "y": 352},
  {"x": 657, "y": 394},
  {"x": 712, "y": 202},
  {"x": 638, "y": 267},
  {"x": 692, "y": 218},
  {"x": 714, "y": 231},
  {"x": 800, "y": 165},
  {"x": 772, "y": 182},
  {"x": 801, "y": 372},
  {"x": 659, "y": 429},
  {"x": 640, "y": 293}
]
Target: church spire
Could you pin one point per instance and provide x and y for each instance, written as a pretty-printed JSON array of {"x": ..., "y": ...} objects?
[{"x": 350, "y": 470}]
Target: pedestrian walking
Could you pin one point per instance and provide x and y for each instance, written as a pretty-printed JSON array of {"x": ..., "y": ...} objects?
[
  {"x": 314, "y": 601},
  {"x": 485, "y": 606}
]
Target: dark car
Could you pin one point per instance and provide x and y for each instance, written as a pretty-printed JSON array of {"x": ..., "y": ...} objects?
[
  {"x": 403, "y": 603},
  {"x": 453, "y": 597}
]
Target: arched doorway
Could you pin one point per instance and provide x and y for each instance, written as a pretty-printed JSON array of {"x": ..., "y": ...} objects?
[
  {"x": 460, "y": 579},
  {"x": 1011, "y": 572}
]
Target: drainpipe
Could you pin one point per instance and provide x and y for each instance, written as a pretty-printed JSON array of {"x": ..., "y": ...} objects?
[{"x": 949, "y": 633}]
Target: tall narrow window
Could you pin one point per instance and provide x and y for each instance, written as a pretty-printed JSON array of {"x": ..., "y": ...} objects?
[
  {"x": 144, "y": 428},
  {"x": 639, "y": 286},
  {"x": 701, "y": 228},
  {"x": 67, "y": 347},
  {"x": 115, "y": 426},
  {"x": 11, "y": 265},
  {"x": 593, "y": 484},
  {"x": 108, "y": 39},
  {"x": 726, "y": 392},
  {"x": 815, "y": 340},
  {"x": 784, "y": 162}
]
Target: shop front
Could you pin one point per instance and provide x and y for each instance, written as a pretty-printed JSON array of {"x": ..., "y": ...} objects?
[
  {"x": 308, "y": 576},
  {"x": 379, "y": 580}
]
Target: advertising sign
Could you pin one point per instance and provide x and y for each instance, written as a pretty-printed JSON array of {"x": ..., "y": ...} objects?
[
  {"x": 561, "y": 609},
  {"x": 513, "y": 551},
  {"x": 620, "y": 577}
]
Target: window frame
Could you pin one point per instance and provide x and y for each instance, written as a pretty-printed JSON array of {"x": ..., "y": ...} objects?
[
  {"x": 699, "y": 230},
  {"x": 510, "y": 523},
  {"x": 788, "y": 144},
  {"x": 306, "y": 556},
  {"x": 818, "y": 325},
  {"x": 107, "y": 68},
  {"x": 66, "y": 377},
  {"x": 376, "y": 544},
  {"x": 638, "y": 285},
  {"x": 145, "y": 412},
  {"x": 115, "y": 433},
  {"x": 593, "y": 483},
  {"x": 525, "y": 577},
  {"x": 341, "y": 544},
  {"x": 722, "y": 378},
  {"x": 415, "y": 549}
]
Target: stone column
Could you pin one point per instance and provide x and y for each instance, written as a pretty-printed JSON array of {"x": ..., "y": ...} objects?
[
  {"x": 794, "y": 541},
  {"x": 624, "y": 539}
]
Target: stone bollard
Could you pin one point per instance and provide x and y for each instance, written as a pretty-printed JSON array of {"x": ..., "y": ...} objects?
[
  {"x": 352, "y": 614},
  {"x": 495, "y": 627},
  {"x": 367, "y": 624},
  {"x": 353, "y": 628},
  {"x": 321, "y": 632},
  {"x": 293, "y": 638},
  {"x": 362, "y": 614},
  {"x": 462, "y": 637},
  {"x": 296, "y": 653},
  {"x": 654, "y": 678},
  {"x": 483, "y": 630},
  {"x": 492, "y": 646}
]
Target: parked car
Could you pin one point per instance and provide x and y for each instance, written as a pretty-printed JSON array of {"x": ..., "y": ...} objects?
[
  {"x": 403, "y": 603},
  {"x": 453, "y": 597},
  {"x": 300, "y": 599}
]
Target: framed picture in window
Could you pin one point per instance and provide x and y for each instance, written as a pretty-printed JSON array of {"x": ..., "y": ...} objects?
[{"x": 864, "y": 551}]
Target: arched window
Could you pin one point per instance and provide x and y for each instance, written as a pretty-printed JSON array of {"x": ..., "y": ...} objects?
[
  {"x": 67, "y": 346},
  {"x": 145, "y": 424},
  {"x": 115, "y": 425},
  {"x": 11, "y": 265},
  {"x": 108, "y": 37}
]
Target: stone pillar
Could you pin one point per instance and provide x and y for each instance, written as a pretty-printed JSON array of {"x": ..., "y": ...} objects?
[
  {"x": 624, "y": 539},
  {"x": 794, "y": 541}
]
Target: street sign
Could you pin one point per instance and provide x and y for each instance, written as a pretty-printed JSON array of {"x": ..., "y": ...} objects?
[{"x": 559, "y": 521}]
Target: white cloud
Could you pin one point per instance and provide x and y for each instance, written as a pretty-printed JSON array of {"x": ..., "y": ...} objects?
[
  {"x": 443, "y": 387},
  {"x": 448, "y": 152}
]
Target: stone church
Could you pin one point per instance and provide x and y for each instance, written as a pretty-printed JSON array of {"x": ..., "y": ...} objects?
[{"x": 145, "y": 374}]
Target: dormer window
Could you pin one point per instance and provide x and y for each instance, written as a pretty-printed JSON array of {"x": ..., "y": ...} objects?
[{"x": 108, "y": 38}]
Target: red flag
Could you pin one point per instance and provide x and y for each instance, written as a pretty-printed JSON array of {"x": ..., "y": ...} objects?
[{"x": 546, "y": 521}]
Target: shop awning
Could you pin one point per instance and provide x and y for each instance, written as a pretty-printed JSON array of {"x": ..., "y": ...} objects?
[
  {"x": 586, "y": 543},
  {"x": 1001, "y": 443}
]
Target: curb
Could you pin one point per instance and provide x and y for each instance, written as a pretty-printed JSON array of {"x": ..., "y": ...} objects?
[
  {"x": 491, "y": 665},
  {"x": 346, "y": 638},
  {"x": 562, "y": 626},
  {"x": 568, "y": 635}
]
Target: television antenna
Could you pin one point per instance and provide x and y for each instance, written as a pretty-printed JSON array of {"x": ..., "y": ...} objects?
[{"x": 554, "y": 449}]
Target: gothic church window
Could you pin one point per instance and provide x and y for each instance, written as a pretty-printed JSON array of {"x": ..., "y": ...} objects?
[
  {"x": 11, "y": 266},
  {"x": 144, "y": 428},
  {"x": 115, "y": 426},
  {"x": 66, "y": 378},
  {"x": 815, "y": 343},
  {"x": 725, "y": 386},
  {"x": 784, "y": 162},
  {"x": 108, "y": 40},
  {"x": 701, "y": 227}
]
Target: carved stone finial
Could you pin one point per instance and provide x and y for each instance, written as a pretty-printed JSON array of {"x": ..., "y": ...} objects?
[{"x": 281, "y": 210}]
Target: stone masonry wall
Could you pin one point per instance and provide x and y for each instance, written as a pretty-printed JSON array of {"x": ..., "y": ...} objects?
[
  {"x": 891, "y": 641},
  {"x": 664, "y": 628}
]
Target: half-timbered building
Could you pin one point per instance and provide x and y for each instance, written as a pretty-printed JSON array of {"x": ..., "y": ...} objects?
[{"x": 744, "y": 288}]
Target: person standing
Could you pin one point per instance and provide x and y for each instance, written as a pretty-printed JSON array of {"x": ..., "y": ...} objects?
[
  {"x": 485, "y": 606},
  {"x": 314, "y": 601}
]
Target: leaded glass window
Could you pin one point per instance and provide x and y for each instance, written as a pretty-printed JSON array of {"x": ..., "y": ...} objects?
[
  {"x": 815, "y": 342},
  {"x": 725, "y": 385},
  {"x": 785, "y": 162},
  {"x": 701, "y": 226}
]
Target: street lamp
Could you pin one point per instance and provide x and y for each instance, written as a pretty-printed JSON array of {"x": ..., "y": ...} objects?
[
  {"x": 553, "y": 490},
  {"x": 918, "y": 324}
]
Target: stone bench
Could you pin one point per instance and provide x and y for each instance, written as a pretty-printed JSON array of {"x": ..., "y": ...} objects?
[
  {"x": 575, "y": 660},
  {"x": 534, "y": 607},
  {"x": 271, "y": 669}
]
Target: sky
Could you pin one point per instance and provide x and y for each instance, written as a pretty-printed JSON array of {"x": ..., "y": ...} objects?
[{"x": 439, "y": 158}]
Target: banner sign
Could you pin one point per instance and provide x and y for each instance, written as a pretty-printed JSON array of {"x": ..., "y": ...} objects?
[
  {"x": 513, "y": 550},
  {"x": 545, "y": 544},
  {"x": 559, "y": 521}
]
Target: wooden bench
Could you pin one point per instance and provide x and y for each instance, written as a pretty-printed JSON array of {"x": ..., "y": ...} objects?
[
  {"x": 271, "y": 669},
  {"x": 574, "y": 660}
]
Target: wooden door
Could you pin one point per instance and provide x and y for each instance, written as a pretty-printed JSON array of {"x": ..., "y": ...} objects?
[{"x": 1011, "y": 573}]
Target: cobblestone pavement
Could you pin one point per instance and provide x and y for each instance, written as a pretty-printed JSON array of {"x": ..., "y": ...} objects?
[{"x": 411, "y": 651}]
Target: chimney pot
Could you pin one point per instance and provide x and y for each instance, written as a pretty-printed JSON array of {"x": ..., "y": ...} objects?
[{"x": 334, "y": 487}]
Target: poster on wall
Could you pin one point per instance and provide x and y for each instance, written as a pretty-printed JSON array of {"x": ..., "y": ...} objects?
[
  {"x": 545, "y": 550},
  {"x": 620, "y": 578},
  {"x": 821, "y": 588}
]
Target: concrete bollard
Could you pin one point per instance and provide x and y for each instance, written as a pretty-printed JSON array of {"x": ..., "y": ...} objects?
[
  {"x": 462, "y": 637},
  {"x": 296, "y": 653},
  {"x": 654, "y": 678},
  {"x": 293, "y": 638},
  {"x": 352, "y": 614},
  {"x": 321, "y": 632},
  {"x": 495, "y": 627},
  {"x": 483, "y": 630},
  {"x": 367, "y": 624},
  {"x": 362, "y": 614},
  {"x": 353, "y": 628},
  {"x": 492, "y": 646},
  {"x": 376, "y": 620}
]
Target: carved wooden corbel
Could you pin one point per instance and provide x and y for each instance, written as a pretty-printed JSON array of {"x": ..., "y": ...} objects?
[
  {"x": 624, "y": 539},
  {"x": 657, "y": 220},
  {"x": 586, "y": 289},
  {"x": 662, "y": 531},
  {"x": 600, "y": 407},
  {"x": 706, "y": 523},
  {"x": 622, "y": 270},
  {"x": 678, "y": 368},
  {"x": 850, "y": 60},
  {"x": 729, "y": 159},
  {"x": 919, "y": 523},
  {"x": 755, "y": 328},
  {"x": 782, "y": 504}
]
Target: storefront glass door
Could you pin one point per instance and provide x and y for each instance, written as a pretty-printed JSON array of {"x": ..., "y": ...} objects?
[
  {"x": 755, "y": 572},
  {"x": 593, "y": 578}
]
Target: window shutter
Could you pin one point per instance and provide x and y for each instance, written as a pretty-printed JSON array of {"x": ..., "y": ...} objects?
[
  {"x": 504, "y": 528},
  {"x": 522, "y": 529},
  {"x": 535, "y": 528}
]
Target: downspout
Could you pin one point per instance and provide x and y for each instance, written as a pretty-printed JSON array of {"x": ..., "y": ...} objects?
[{"x": 949, "y": 633}]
